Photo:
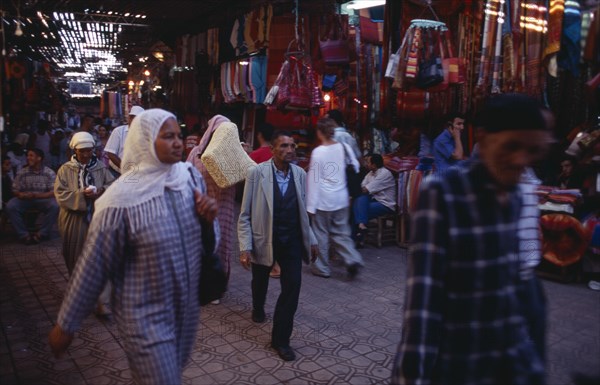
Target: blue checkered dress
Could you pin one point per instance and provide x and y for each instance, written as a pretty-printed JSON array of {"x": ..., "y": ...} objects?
[
  {"x": 154, "y": 274},
  {"x": 465, "y": 319}
]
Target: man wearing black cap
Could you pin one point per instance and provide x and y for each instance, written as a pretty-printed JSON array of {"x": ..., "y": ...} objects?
[{"x": 469, "y": 316}]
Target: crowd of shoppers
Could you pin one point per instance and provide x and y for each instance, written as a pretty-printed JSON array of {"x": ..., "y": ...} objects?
[{"x": 474, "y": 311}]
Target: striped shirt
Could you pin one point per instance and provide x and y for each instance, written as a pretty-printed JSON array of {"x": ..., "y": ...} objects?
[{"x": 464, "y": 318}]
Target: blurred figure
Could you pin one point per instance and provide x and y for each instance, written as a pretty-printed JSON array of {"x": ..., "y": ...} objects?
[
  {"x": 263, "y": 153},
  {"x": 7, "y": 180},
  {"x": 327, "y": 201},
  {"x": 135, "y": 240},
  {"x": 58, "y": 136},
  {"x": 115, "y": 146},
  {"x": 101, "y": 141},
  {"x": 470, "y": 316},
  {"x": 569, "y": 176},
  {"x": 193, "y": 139},
  {"x": 447, "y": 146},
  {"x": 225, "y": 197},
  {"x": 41, "y": 139},
  {"x": 274, "y": 226},
  {"x": 341, "y": 134}
]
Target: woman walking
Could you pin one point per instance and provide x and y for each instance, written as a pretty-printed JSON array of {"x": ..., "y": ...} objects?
[{"x": 145, "y": 237}]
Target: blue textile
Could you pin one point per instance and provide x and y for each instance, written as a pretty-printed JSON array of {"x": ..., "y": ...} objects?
[{"x": 366, "y": 208}]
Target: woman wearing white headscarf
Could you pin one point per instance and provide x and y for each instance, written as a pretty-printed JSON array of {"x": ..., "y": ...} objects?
[
  {"x": 79, "y": 182},
  {"x": 145, "y": 237}
]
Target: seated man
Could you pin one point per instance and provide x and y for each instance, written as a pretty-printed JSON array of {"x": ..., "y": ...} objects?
[
  {"x": 447, "y": 147},
  {"x": 33, "y": 188},
  {"x": 379, "y": 198}
]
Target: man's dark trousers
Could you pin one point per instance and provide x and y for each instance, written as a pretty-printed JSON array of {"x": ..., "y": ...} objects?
[{"x": 289, "y": 257}]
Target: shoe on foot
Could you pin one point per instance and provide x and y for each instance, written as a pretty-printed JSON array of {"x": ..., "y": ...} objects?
[
  {"x": 353, "y": 270},
  {"x": 594, "y": 285},
  {"x": 258, "y": 316},
  {"x": 285, "y": 352},
  {"x": 216, "y": 302},
  {"x": 275, "y": 271},
  {"x": 322, "y": 275}
]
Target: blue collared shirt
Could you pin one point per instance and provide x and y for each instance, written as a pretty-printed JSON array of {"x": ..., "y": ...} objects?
[
  {"x": 443, "y": 147},
  {"x": 283, "y": 179}
]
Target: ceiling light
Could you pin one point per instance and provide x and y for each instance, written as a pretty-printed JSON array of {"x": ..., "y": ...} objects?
[
  {"x": 18, "y": 30},
  {"x": 360, "y": 4}
]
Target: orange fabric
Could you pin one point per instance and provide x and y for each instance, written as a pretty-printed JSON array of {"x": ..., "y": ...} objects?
[{"x": 564, "y": 239}]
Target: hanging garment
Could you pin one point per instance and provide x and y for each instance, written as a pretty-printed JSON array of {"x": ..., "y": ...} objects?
[{"x": 570, "y": 48}]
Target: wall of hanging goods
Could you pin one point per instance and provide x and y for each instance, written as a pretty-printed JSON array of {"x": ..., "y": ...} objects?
[{"x": 447, "y": 56}]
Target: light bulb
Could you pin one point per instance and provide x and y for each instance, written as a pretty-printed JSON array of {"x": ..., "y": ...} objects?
[{"x": 18, "y": 30}]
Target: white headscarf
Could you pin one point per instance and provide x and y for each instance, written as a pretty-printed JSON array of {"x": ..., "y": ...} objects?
[
  {"x": 82, "y": 139},
  {"x": 140, "y": 190}
]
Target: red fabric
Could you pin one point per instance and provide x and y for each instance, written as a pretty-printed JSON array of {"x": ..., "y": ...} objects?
[
  {"x": 261, "y": 154},
  {"x": 564, "y": 239}
]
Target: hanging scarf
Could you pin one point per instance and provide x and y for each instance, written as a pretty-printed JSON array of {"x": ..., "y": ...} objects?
[{"x": 84, "y": 176}]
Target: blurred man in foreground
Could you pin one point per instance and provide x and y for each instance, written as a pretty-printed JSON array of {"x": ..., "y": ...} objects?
[{"x": 470, "y": 317}]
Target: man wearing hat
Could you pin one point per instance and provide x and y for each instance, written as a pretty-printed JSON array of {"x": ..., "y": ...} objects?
[
  {"x": 470, "y": 315},
  {"x": 116, "y": 142}
]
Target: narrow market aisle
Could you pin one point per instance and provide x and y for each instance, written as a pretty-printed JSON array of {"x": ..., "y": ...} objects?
[{"x": 346, "y": 332}]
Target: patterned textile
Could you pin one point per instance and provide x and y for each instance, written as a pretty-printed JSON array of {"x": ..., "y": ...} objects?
[
  {"x": 154, "y": 274},
  {"x": 466, "y": 315},
  {"x": 555, "y": 19},
  {"x": 29, "y": 180}
]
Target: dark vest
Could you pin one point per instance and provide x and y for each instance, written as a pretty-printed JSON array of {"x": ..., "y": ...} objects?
[{"x": 286, "y": 217}]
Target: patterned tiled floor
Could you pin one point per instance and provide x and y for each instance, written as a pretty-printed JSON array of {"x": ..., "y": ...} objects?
[{"x": 345, "y": 333}]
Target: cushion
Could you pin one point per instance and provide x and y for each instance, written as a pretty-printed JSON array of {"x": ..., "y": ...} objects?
[{"x": 224, "y": 158}]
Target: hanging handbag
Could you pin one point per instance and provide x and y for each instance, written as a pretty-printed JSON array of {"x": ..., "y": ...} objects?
[
  {"x": 335, "y": 49},
  {"x": 369, "y": 30},
  {"x": 456, "y": 65},
  {"x": 300, "y": 87},
  {"x": 353, "y": 179},
  {"x": 213, "y": 278},
  {"x": 431, "y": 72}
]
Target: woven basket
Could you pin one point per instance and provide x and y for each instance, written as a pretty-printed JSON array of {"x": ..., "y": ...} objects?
[{"x": 224, "y": 158}]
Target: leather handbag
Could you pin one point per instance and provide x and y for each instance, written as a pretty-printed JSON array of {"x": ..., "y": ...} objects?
[
  {"x": 213, "y": 278},
  {"x": 335, "y": 49},
  {"x": 369, "y": 31},
  {"x": 353, "y": 179}
]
